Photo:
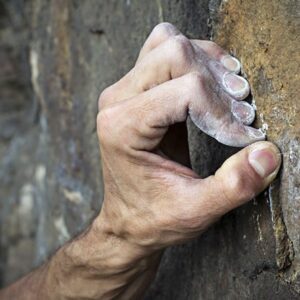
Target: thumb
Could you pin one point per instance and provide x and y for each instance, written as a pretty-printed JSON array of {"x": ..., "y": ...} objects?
[{"x": 241, "y": 177}]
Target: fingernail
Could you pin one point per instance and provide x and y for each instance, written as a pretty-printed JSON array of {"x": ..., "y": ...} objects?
[
  {"x": 243, "y": 111},
  {"x": 235, "y": 83},
  {"x": 231, "y": 63},
  {"x": 255, "y": 134},
  {"x": 264, "y": 161}
]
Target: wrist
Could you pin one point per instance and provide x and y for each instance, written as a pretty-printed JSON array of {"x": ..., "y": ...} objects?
[{"x": 98, "y": 263}]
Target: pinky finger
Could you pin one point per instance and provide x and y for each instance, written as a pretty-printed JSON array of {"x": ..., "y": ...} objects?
[{"x": 237, "y": 134}]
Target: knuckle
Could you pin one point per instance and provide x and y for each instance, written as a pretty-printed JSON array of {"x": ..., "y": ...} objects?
[
  {"x": 181, "y": 47},
  {"x": 236, "y": 184},
  {"x": 194, "y": 81},
  {"x": 104, "y": 124},
  {"x": 105, "y": 97},
  {"x": 214, "y": 47},
  {"x": 212, "y": 44},
  {"x": 238, "y": 187},
  {"x": 164, "y": 30}
]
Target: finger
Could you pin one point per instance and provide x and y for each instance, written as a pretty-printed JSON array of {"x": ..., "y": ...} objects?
[
  {"x": 217, "y": 53},
  {"x": 163, "y": 31},
  {"x": 224, "y": 67},
  {"x": 141, "y": 122},
  {"x": 176, "y": 57},
  {"x": 172, "y": 59},
  {"x": 159, "y": 34},
  {"x": 243, "y": 111},
  {"x": 174, "y": 145},
  {"x": 226, "y": 129},
  {"x": 240, "y": 178},
  {"x": 235, "y": 85}
]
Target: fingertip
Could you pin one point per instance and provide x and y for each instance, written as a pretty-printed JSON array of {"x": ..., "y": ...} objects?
[
  {"x": 235, "y": 134},
  {"x": 238, "y": 180},
  {"x": 231, "y": 63},
  {"x": 265, "y": 159},
  {"x": 247, "y": 173},
  {"x": 254, "y": 135},
  {"x": 243, "y": 111},
  {"x": 237, "y": 86}
]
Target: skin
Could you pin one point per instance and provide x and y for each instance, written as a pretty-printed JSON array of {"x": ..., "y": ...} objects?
[{"x": 152, "y": 198}]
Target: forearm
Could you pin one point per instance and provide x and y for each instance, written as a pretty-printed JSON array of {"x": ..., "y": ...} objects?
[
  {"x": 32, "y": 286},
  {"x": 96, "y": 265}
]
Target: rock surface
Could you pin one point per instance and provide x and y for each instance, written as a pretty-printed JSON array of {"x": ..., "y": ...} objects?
[{"x": 57, "y": 56}]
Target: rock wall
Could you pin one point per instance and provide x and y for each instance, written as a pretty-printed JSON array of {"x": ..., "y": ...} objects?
[{"x": 57, "y": 56}]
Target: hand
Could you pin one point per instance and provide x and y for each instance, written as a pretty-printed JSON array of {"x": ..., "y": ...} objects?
[
  {"x": 207, "y": 86},
  {"x": 154, "y": 202},
  {"x": 152, "y": 199}
]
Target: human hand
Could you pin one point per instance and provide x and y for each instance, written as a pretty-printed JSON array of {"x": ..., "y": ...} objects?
[
  {"x": 154, "y": 202},
  {"x": 150, "y": 200}
]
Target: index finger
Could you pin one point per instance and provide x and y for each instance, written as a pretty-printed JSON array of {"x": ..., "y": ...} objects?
[{"x": 141, "y": 122}]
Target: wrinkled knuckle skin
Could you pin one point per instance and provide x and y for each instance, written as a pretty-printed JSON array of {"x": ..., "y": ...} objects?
[
  {"x": 181, "y": 48},
  {"x": 212, "y": 45},
  {"x": 163, "y": 30},
  {"x": 242, "y": 186}
]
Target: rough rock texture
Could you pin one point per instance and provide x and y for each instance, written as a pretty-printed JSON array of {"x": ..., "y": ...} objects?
[
  {"x": 269, "y": 48},
  {"x": 18, "y": 111},
  {"x": 50, "y": 168}
]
